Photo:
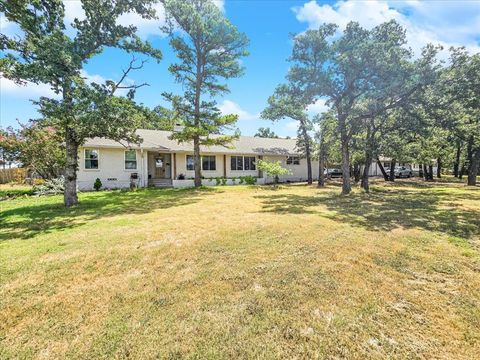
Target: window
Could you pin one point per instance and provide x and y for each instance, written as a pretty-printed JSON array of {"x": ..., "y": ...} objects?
[
  {"x": 236, "y": 163},
  {"x": 293, "y": 160},
  {"x": 130, "y": 159},
  {"x": 91, "y": 159},
  {"x": 208, "y": 163},
  {"x": 249, "y": 162},
  {"x": 190, "y": 163}
]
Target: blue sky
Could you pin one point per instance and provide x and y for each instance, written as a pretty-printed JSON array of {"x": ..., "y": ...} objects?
[{"x": 268, "y": 24}]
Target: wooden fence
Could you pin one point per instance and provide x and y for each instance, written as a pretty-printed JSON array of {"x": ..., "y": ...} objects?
[{"x": 12, "y": 175}]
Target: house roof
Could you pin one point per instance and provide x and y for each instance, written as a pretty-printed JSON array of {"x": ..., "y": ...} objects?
[{"x": 159, "y": 140}]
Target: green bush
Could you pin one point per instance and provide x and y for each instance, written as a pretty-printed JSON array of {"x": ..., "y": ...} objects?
[
  {"x": 249, "y": 180},
  {"x": 97, "y": 185}
]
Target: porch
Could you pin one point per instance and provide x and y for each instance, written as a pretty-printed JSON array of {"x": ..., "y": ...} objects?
[{"x": 160, "y": 168}]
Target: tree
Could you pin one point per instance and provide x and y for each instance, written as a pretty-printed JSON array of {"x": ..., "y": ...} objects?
[
  {"x": 208, "y": 48},
  {"x": 291, "y": 102},
  {"x": 8, "y": 148},
  {"x": 273, "y": 169},
  {"x": 462, "y": 82},
  {"x": 161, "y": 118},
  {"x": 46, "y": 53},
  {"x": 266, "y": 133},
  {"x": 38, "y": 148},
  {"x": 356, "y": 72}
]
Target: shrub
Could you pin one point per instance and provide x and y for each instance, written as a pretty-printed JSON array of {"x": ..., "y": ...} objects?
[
  {"x": 181, "y": 177},
  {"x": 97, "y": 185},
  {"x": 272, "y": 168},
  {"x": 248, "y": 179},
  {"x": 50, "y": 187},
  {"x": 234, "y": 179}
]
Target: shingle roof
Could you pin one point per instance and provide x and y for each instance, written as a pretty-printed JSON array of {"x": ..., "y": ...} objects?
[{"x": 159, "y": 140}]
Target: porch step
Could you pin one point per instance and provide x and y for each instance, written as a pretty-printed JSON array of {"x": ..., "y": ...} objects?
[{"x": 163, "y": 183}]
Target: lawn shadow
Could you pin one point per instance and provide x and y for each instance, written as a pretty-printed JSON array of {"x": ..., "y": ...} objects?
[
  {"x": 386, "y": 208},
  {"x": 25, "y": 222}
]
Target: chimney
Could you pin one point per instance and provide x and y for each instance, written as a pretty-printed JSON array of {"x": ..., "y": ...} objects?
[{"x": 178, "y": 127}]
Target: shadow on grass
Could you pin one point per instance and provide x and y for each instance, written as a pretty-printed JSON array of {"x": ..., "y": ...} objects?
[
  {"x": 25, "y": 222},
  {"x": 387, "y": 208}
]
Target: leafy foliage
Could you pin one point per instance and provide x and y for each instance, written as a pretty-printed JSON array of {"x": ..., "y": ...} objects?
[
  {"x": 272, "y": 168},
  {"x": 36, "y": 147},
  {"x": 266, "y": 132},
  {"x": 46, "y": 53},
  {"x": 208, "y": 49},
  {"x": 50, "y": 187},
  {"x": 97, "y": 185}
]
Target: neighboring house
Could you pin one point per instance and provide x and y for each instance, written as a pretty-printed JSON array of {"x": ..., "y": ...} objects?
[
  {"x": 386, "y": 162},
  {"x": 160, "y": 161}
]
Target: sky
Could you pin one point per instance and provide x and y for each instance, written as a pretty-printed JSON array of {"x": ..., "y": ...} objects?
[{"x": 269, "y": 25}]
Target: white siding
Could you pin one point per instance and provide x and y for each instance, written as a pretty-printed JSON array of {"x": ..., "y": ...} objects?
[{"x": 111, "y": 170}]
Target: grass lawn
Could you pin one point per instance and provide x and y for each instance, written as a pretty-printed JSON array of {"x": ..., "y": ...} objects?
[
  {"x": 14, "y": 190},
  {"x": 243, "y": 272}
]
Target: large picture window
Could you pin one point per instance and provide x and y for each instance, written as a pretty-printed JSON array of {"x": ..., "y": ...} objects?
[
  {"x": 239, "y": 163},
  {"x": 208, "y": 163},
  {"x": 130, "y": 159},
  {"x": 91, "y": 159},
  {"x": 190, "y": 163},
  {"x": 293, "y": 160},
  {"x": 236, "y": 163},
  {"x": 249, "y": 163}
]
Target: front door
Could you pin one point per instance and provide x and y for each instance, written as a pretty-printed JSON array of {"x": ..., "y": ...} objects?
[{"x": 160, "y": 166}]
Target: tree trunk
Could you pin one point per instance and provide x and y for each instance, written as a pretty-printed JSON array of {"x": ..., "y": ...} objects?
[
  {"x": 474, "y": 167},
  {"x": 309, "y": 162},
  {"x": 420, "y": 171},
  {"x": 365, "y": 177},
  {"x": 356, "y": 172},
  {"x": 321, "y": 164},
  {"x": 456, "y": 164},
  {"x": 469, "y": 154},
  {"x": 368, "y": 162},
  {"x": 196, "y": 139},
  {"x": 439, "y": 168},
  {"x": 382, "y": 169},
  {"x": 70, "y": 197},
  {"x": 428, "y": 172},
  {"x": 346, "y": 187},
  {"x": 197, "y": 164},
  {"x": 391, "y": 176}
]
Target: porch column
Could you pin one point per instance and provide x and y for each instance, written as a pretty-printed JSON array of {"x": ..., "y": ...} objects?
[
  {"x": 174, "y": 165},
  {"x": 224, "y": 165},
  {"x": 145, "y": 168}
]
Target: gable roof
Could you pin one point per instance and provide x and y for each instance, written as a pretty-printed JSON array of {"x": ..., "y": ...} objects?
[{"x": 159, "y": 140}]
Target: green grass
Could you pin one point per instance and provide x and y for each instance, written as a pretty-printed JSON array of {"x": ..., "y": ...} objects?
[
  {"x": 8, "y": 191},
  {"x": 243, "y": 272}
]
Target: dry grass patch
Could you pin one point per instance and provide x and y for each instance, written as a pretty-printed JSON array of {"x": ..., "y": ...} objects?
[{"x": 243, "y": 272}]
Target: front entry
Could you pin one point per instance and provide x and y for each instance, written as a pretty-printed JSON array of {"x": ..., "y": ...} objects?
[{"x": 161, "y": 166}]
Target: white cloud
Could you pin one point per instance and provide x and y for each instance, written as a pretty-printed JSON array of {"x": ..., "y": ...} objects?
[
  {"x": 318, "y": 107},
  {"x": 27, "y": 91},
  {"x": 230, "y": 107},
  {"x": 445, "y": 23},
  {"x": 31, "y": 90}
]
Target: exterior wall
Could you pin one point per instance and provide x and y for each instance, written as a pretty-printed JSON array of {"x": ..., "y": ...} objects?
[
  {"x": 299, "y": 172},
  {"x": 111, "y": 169},
  {"x": 181, "y": 166},
  {"x": 113, "y": 175}
]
